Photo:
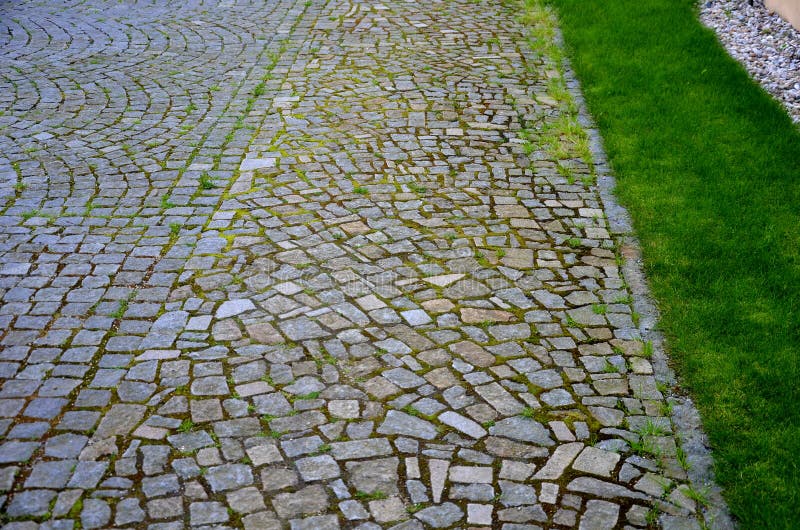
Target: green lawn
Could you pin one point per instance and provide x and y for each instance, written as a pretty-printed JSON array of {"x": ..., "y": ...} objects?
[{"x": 709, "y": 168}]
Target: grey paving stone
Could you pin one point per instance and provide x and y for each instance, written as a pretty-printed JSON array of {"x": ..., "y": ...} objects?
[
  {"x": 246, "y": 500},
  {"x": 557, "y": 398},
  {"x": 210, "y": 386},
  {"x": 13, "y": 451},
  {"x": 263, "y": 520},
  {"x": 264, "y": 454},
  {"x": 397, "y": 422},
  {"x": 10, "y": 407},
  {"x": 388, "y": 510},
  {"x": 35, "y": 502},
  {"x": 301, "y": 446},
  {"x": 317, "y": 522},
  {"x": 599, "y": 514},
  {"x": 87, "y": 474},
  {"x": 58, "y": 387},
  {"x": 523, "y": 514},
  {"x": 191, "y": 441},
  {"x": 310, "y": 499},
  {"x": 228, "y": 477},
  {"x": 93, "y": 398},
  {"x": 128, "y": 511},
  {"x": 45, "y": 408},
  {"x": 231, "y": 308},
  {"x": 361, "y": 449},
  {"x": 120, "y": 420},
  {"x": 317, "y": 468},
  {"x": 154, "y": 458},
  {"x": 522, "y": 429},
  {"x": 602, "y": 489},
  {"x": 95, "y": 514},
  {"x": 515, "y": 494},
  {"x": 274, "y": 404},
  {"x": 50, "y": 474},
  {"x": 165, "y": 508},
  {"x": 472, "y": 492},
  {"x": 371, "y": 476},
  {"x": 237, "y": 428},
  {"x": 7, "y": 475},
  {"x": 160, "y": 485},
  {"x": 596, "y": 461},
  {"x": 201, "y": 513},
  {"x": 441, "y": 516},
  {"x": 463, "y": 424},
  {"x": 28, "y": 431},
  {"x": 302, "y": 328},
  {"x": 353, "y": 510}
]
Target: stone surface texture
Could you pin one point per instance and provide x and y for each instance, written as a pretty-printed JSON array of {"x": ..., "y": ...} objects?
[{"x": 318, "y": 264}]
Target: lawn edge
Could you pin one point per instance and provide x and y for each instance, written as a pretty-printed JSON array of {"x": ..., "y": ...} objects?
[{"x": 685, "y": 417}]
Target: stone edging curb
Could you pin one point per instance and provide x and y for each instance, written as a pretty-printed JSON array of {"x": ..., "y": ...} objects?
[{"x": 685, "y": 417}]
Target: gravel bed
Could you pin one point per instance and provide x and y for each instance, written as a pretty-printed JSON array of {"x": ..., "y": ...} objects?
[{"x": 767, "y": 45}]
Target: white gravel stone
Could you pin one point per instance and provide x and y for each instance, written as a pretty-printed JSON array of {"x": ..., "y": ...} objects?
[{"x": 767, "y": 46}]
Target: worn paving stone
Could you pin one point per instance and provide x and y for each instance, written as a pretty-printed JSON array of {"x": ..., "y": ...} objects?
[
  {"x": 50, "y": 474},
  {"x": 87, "y": 474},
  {"x": 596, "y": 461},
  {"x": 246, "y": 500},
  {"x": 128, "y": 511},
  {"x": 361, "y": 449},
  {"x": 397, "y": 422},
  {"x": 305, "y": 501},
  {"x": 317, "y": 468},
  {"x": 515, "y": 494},
  {"x": 299, "y": 264},
  {"x": 599, "y": 514},
  {"x": 228, "y": 477},
  {"x": 374, "y": 477},
  {"x": 201, "y": 513},
  {"x": 463, "y": 424},
  {"x": 16, "y": 451},
  {"x": 95, "y": 514},
  {"x": 388, "y": 510},
  {"x": 30, "y": 503},
  {"x": 120, "y": 420},
  {"x": 441, "y": 516},
  {"x": 317, "y": 522},
  {"x": 522, "y": 429},
  {"x": 231, "y": 308}
]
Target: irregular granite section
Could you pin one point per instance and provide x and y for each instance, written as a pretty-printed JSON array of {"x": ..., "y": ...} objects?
[{"x": 313, "y": 265}]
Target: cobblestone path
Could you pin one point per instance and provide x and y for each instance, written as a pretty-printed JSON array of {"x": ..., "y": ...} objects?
[{"x": 333, "y": 264}]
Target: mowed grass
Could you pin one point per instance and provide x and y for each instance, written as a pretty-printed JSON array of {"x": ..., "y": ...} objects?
[{"x": 709, "y": 167}]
